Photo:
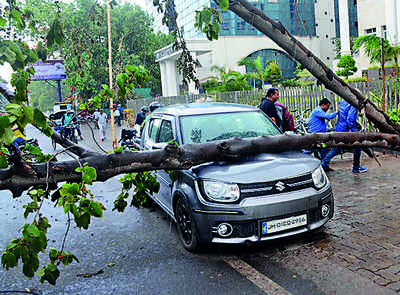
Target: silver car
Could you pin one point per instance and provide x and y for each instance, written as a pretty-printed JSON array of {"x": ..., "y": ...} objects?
[{"x": 252, "y": 199}]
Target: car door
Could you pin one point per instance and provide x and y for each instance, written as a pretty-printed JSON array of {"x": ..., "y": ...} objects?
[{"x": 159, "y": 132}]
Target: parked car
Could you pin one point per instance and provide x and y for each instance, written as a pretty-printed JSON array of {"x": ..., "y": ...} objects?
[{"x": 252, "y": 199}]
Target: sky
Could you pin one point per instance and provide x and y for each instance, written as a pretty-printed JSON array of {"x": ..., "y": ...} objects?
[{"x": 141, "y": 3}]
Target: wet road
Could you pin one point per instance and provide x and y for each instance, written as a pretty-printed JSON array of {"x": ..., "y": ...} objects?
[{"x": 139, "y": 252}]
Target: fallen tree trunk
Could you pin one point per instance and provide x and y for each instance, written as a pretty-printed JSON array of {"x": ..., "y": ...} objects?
[{"x": 174, "y": 157}]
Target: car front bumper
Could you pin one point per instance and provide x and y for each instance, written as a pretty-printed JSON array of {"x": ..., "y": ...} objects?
[{"x": 246, "y": 218}]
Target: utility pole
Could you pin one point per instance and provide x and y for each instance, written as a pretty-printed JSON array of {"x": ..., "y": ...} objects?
[
  {"x": 383, "y": 73},
  {"x": 110, "y": 74}
]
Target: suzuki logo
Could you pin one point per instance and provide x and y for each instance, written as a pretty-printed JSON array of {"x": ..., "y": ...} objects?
[{"x": 280, "y": 186}]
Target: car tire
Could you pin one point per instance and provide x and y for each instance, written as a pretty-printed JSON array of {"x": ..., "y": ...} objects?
[{"x": 186, "y": 226}]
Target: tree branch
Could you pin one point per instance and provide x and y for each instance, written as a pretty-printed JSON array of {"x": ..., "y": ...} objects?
[{"x": 174, "y": 157}]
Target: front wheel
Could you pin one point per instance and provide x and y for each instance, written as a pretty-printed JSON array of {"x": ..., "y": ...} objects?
[{"x": 186, "y": 226}]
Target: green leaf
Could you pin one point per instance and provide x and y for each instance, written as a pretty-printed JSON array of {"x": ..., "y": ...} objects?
[
  {"x": 95, "y": 209},
  {"x": 119, "y": 150},
  {"x": 91, "y": 172},
  {"x": 31, "y": 231},
  {"x": 41, "y": 272},
  {"x": 39, "y": 118},
  {"x": 48, "y": 131},
  {"x": 53, "y": 254},
  {"x": 130, "y": 68},
  {"x": 28, "y": 114},
  {"x": 14, "y": 109},
  {"x": 2, "y": 22},
  {"x": 28, "y": 269},
  {"x": 8, "y": 260},
  {"x": 83, "y": 221},
  {"x": 67, "y": 207},
  {"x": 10, "y": 55},
  {"x": 224, "y": 4},
  {"x": 51, "y": 273},
  {"x": 3, "y": 162},
  {"x": 206, "y": 16}
]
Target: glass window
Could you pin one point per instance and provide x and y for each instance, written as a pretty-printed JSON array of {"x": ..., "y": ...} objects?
[
  {"x": 153, "y": 129},
  {"x": 166, "y": 134},
  {"x": 197, "y": 128}
]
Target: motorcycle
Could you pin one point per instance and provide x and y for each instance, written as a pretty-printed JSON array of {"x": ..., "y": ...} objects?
[
  {"x": 129, "y": 139},
  {"x": 65, "y": 132}
]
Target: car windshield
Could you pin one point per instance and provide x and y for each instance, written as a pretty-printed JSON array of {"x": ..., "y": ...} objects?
[{"x": 211, "y": 127}]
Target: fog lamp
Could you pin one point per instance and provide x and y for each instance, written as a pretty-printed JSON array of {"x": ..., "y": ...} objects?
[
  {"x": 224, "y": 229},
  {"x": 325, "y": 210}
]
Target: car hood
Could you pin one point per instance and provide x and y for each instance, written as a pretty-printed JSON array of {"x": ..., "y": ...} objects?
[{"x": 258, "y": 168}]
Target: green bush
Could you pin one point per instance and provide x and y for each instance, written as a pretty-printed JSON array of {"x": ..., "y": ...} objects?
[{"x": 357, "y": 79}]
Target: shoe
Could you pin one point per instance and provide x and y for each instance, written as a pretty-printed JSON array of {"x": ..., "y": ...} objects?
[
  {"x": 81, "y": 138},
  {"x": 327, "y": 169},
  {"x": 359, "y": 169}
]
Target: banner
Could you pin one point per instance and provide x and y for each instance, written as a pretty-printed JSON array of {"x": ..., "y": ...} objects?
[{"x": 50, "y": 70}]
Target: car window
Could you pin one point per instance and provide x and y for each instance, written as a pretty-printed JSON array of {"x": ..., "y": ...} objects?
[
  {"x": 211, "y": 127},
  {"x": 166, "y": 134},
  {"x": 153, "y": 129}
]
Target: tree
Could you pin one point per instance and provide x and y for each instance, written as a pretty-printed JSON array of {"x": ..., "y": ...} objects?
[
  {"x": 347, "y": 63},
  {"x": 258, "y": 72},
  {"x": 41, "y": 177},
  {"x": 227, "y": 81},
  {"x": 273, "y": 72},
  {"x": 372, "y": 47},
  {"x": 85, "y": 50}
]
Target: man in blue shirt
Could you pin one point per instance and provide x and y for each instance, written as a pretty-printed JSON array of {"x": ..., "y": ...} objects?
[
  {"x": 317, "y": 122},
  {"x": 347, "y": 122}
]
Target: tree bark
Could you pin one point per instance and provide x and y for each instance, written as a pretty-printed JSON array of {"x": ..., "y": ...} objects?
[
  {"x": 277, "y": 32},
  {"x": 174, "y": 157}
]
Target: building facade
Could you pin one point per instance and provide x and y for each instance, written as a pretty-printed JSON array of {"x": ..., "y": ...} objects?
[
  {"x": 312, "y": 22},
  {"x": 380, "y": 18}
]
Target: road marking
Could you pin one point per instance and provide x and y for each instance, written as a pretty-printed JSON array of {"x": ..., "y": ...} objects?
[{"x": 257, "y": 278}]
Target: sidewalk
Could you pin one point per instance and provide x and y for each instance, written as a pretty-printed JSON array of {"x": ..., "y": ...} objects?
[{"x": 358, "y": 252}]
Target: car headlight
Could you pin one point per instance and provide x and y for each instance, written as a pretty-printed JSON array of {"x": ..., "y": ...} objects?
[
  {"x": 319, "y": 177},
  {"x": 220, "y": 191}
]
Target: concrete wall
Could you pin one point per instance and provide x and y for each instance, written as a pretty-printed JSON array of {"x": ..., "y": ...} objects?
[{"x": 227, "y": 51}]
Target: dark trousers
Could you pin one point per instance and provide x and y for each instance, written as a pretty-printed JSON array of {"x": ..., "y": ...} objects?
[{"x": 336, "y": 151}]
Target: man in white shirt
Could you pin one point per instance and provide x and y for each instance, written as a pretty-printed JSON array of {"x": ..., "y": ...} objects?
[
  {"x": 102, "y": 124},
  {"x": 96, "y": 119}
]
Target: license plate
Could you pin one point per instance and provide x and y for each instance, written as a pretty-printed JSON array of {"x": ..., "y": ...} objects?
[{"x": 273, "y": 226}]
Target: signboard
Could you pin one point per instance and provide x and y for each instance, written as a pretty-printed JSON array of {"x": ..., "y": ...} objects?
[{"x": 50, "y": 70}]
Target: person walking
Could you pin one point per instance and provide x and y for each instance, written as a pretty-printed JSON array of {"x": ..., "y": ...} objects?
[
  {"x": 140, "y": 117},
  {"x": 96, "y": 119},
  {"x": 117, "y": 116},
  {"x": 268, "y": 106},
  {"x": 317, "y": 123},
  {"x": 347, "y": 122},
  {"x": 102, "y": 124}
]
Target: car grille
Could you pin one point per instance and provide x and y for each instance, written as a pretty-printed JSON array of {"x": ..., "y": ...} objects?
[{"x": 276, "y": 186}]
